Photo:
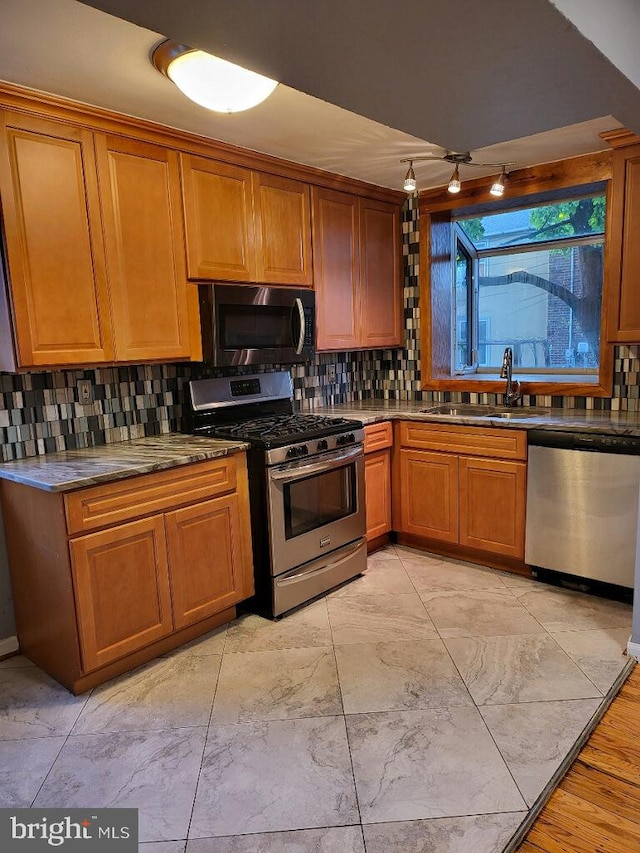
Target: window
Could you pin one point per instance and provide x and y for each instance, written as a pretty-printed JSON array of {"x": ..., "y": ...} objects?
[
  {"x": 530, "y": 278},
  {"x": 524, "y": 271}
]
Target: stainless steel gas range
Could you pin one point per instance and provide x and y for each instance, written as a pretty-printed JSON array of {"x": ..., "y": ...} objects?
[{"x": 306, "y": 481}]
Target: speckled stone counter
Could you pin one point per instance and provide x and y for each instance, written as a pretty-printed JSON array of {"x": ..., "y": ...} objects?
[
  {"x": 571, "y": 420},
  {"x": 75, "y": 469}
]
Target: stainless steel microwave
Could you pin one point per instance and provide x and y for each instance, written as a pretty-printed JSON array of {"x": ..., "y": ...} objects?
[{"x": 247, "y": 324}]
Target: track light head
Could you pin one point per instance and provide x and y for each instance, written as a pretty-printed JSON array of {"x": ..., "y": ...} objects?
[
  {"x": 454, "y": 182},
  {"x": 410, "y": 183},
  {"x": 497, "y": 188}
]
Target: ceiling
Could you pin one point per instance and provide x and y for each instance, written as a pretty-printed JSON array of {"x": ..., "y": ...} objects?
[{"x": 366, "y": 82}]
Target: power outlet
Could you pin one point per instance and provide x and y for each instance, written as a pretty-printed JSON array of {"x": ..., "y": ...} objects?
[
  {"x": 85, "y": 391},
  {"x": 331, "y": 373}
]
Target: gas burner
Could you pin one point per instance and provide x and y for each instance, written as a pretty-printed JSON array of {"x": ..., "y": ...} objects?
[{"x": 281, "y": 428}]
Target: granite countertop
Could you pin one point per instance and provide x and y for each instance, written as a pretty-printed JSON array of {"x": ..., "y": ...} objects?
[
  {"x": 570, "y": 420},
  {"x": 76, "y": 469}
]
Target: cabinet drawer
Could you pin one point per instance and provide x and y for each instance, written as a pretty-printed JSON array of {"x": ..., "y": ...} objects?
[
  {"x": 99, "y": 506},
  {"x": 494, "y": 442},
  {"x": 377, "y": 436}
]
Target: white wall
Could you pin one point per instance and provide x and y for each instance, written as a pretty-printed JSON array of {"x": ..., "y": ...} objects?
[{"x": 612, "y": 26}]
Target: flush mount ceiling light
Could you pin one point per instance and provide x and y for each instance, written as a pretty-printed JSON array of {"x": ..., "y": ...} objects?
[
  {"x": 463, "y": 159},
  {"x": 209, "y": 81}
]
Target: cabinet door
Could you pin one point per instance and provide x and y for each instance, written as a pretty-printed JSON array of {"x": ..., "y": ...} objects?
[
  {"x": 429, "y": 494},
  {"x": 218, "y": 211},
  {"x": 155, "y": 309},
  {"x": 335, "y": 268},
  {"x": 206, "y": 559},
  {"x": 381, "y": 303},
  {"x": 121, "y": 585},
  {"x": 492, "y": 505},
  {"x": 623, "y": 265},
  {"x": 54, "y": 243},
  {"x": 377, "y": 476},
  {"x": 283, "y": 230}
]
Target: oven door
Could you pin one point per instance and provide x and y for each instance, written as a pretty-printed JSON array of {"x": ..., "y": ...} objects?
[{"x": 315, "y": 506}]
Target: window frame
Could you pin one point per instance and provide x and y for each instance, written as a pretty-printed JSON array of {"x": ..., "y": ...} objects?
[{"x": 525, "y": 187}]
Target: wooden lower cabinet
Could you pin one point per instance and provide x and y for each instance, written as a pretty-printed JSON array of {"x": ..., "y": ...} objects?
[
  {"x": 108, "y": 577},
  {"x": 429, "y": 495},
  {"x": 122, "y": 591},
  {"x": 492, "y": 505},
  {"x": 206, "y": 538},
  {"x": 377, "y": 475},
  {"x": 378, "y": 439},
  {"x": 474, "y": 500}
]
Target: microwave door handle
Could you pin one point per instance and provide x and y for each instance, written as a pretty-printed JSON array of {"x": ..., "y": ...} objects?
[
  {"x": 298, "y": 313},
  {"x": 294, "y": 470}
]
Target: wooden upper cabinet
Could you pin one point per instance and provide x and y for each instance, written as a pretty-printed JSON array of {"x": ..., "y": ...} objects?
[
  {"x": 623, "y": 260},
  {"x": 381, "y": 287},
  {"x": 154, "y": 308},
  {"x": 245, "y": 226},
  {"x": 283, "y": 230},
  {"x": 357, "y": 255},
  {"x": 218, "y": 209},
  {"x": 336, "y": 269},
  {"x": 56, "y": 268}
]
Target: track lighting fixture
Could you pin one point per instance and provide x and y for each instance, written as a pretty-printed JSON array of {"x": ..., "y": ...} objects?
[{"x": 458, "y": 159}]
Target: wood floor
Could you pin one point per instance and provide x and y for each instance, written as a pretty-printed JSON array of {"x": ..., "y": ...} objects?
[{"x": 596, "y": 806}]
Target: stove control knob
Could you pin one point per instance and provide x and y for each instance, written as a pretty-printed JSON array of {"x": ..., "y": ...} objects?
[
  {"x": 323, "y": 444},
  {"x": 297, "y": 450},
  {"x": 348, "y": 438}
]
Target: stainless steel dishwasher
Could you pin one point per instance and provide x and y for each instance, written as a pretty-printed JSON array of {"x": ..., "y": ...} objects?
[{"x": 582, "y": 504}]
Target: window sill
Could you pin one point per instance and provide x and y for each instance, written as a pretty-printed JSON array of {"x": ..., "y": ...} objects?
[{"x": 531, "y": 384}]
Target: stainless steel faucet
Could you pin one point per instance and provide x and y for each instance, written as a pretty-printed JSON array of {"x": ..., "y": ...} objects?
[{"x": 512, "y": 392}]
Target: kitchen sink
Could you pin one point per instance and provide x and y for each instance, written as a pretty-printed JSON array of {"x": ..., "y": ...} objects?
[{"x": 469, "y": 410}]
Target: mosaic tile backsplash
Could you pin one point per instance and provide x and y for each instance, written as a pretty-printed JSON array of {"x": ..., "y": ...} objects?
[{"x": 40, "y": 412}]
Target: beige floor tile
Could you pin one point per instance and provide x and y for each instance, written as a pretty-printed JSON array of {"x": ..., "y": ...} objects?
[
  {"x": 155, "y": 772},
  {"x": 337, "y": 839},
  {"x": 527, "y": 668},
  {"x": 563, "y": 610},
  {"x": 376, "y": 618},
  {"x": 34, "y": 705},
  {"x": 431, "y": 576},
  {"x": 277, "y": 685},
  {"x": 399, "y": 676},
  {"x": 411, "y": 765},
  {"x": 166, "y": 693},
  {"x": 534, "y": 738},
  {"x": 275, "y": 776},
  {"x": 24, "y": 765},
  {"x": 304, "y": 628},
  {"x": 15, "y": 660},
  {"x": 477, "y": 834},
  {"x": 162, "y": 847},
  {"x": 384, "y": 577},
  {"x": 600, "y": 654},
  {"x": 479, "y": 612}
]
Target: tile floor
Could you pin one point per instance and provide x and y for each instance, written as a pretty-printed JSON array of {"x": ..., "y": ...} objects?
[{"x": 421, "y": 707}]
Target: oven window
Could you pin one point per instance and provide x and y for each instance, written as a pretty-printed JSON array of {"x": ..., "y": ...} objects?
[
  {"x": 315, "y": 501},
  {"x": 254, "y": 326}
]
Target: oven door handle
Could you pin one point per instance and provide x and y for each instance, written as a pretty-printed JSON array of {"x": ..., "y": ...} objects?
[{"x": 294, "y": 470}]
